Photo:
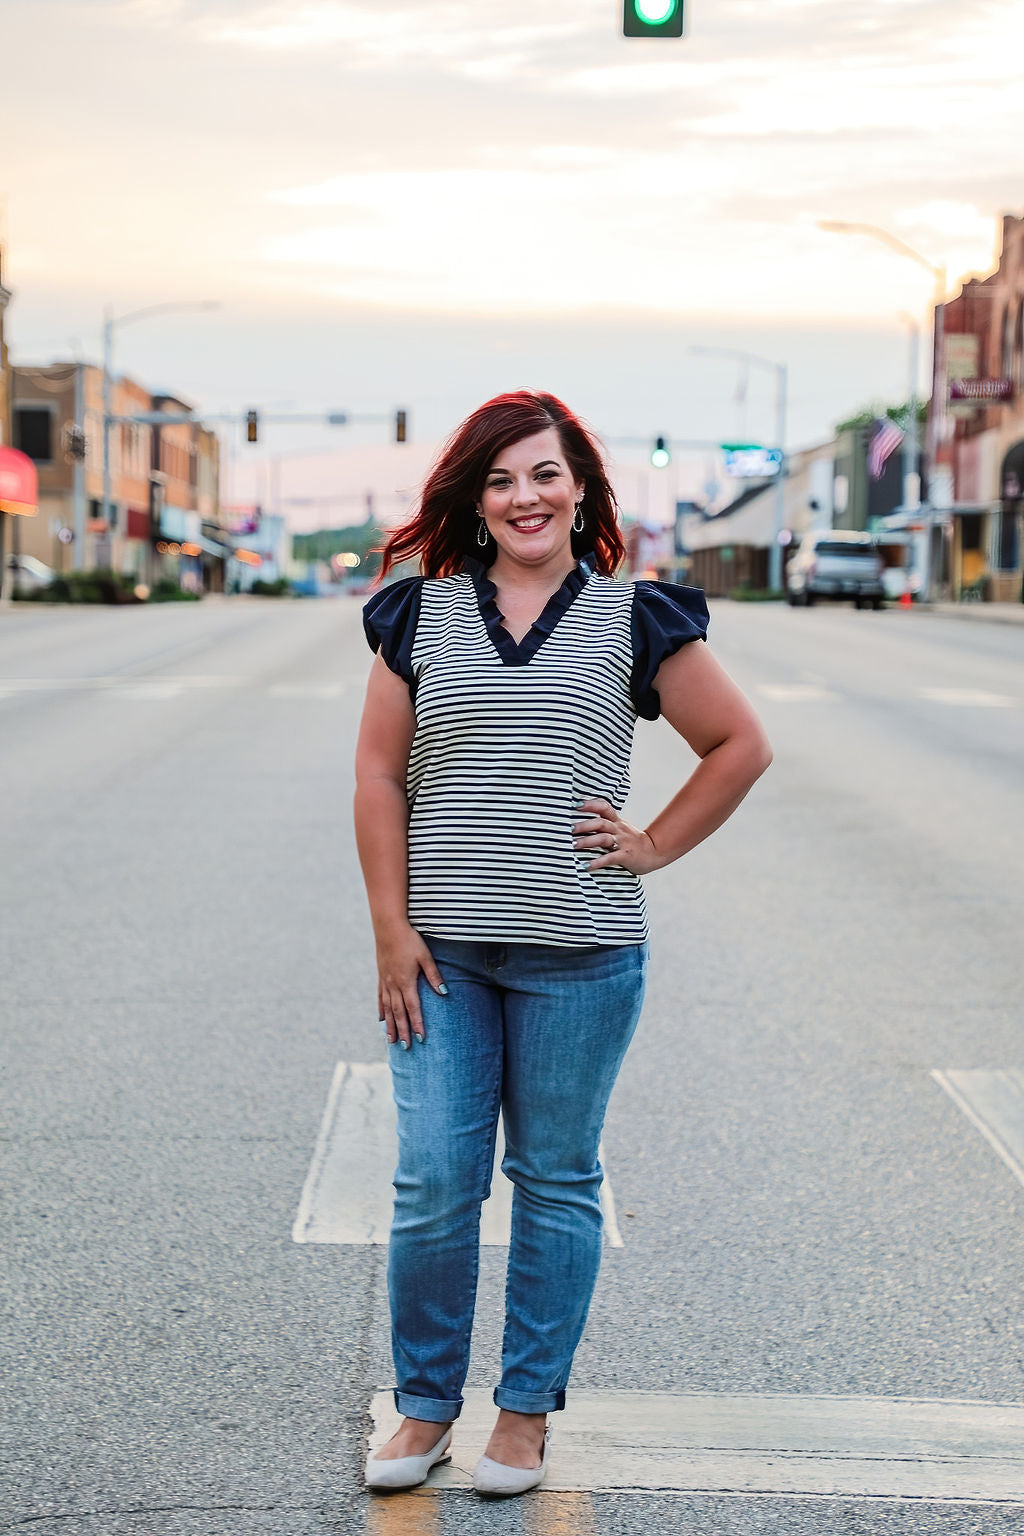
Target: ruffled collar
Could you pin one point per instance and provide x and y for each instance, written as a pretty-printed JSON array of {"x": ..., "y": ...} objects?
[{"x": 557, "y": 604}]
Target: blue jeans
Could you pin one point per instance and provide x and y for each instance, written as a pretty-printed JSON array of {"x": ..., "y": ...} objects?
[{"x": 538, "y": 1033}]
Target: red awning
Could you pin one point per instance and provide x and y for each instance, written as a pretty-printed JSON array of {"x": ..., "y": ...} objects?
[{"x": 19, "y": 483}]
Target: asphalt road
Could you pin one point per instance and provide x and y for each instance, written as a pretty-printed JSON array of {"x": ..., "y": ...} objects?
[{"x": 185, "y": 956}]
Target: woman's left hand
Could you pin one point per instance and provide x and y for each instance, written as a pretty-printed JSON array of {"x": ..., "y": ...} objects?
[{"x": 600, "y": 827}]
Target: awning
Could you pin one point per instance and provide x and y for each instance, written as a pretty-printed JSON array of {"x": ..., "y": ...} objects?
[
  {"x": 19, "y": 483},
  {"x": 904, "y": 517}
]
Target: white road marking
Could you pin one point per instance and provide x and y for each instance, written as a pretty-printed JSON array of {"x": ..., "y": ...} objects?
[
  {"x": 207, "y": 681},
  {"x": 993, "y": 1102},
  {"x": 306, "y": 690},
  {"x": 967, "y": 697},
  {"x": 796, "y": 693},
  {"x": 143, "y": 686},
  {"x": 941, "y": 1449},
  {"x": 146, "y": 691},
  {"x": 347, "y": 1195},
  {"x": 50, "y": 684},
  {"x": 118, "y": 684}
]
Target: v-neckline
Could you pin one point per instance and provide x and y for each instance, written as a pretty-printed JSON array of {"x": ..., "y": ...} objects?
[{"x": 516, "y": 653}]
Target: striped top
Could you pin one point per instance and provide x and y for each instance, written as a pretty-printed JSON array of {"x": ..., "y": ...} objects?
[{"x": 511, "y": 737}]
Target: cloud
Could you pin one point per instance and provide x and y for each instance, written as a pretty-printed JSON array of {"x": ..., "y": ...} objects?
[{"x": 485, "y": 156}]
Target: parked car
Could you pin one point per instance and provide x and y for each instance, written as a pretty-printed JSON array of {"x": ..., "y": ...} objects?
[
  {"x": 29, "y": 573},
  {"x": 835, "y": 563}
]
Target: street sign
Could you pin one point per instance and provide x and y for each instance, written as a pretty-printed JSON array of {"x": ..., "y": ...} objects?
[
  {"x": 751, "y": 461},
  {"x": 981, "y": 390}
]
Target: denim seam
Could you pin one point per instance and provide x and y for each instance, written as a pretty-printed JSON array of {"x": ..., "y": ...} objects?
[{"x": 475, "y": 1262}]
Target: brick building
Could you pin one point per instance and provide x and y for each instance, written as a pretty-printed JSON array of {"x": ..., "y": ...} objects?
[
  {"x": 982, "y": 451},
  {"x": 164, "y": 480}
]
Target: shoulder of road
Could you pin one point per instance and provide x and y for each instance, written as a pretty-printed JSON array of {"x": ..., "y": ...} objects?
[{"x": 992, "y": 613}]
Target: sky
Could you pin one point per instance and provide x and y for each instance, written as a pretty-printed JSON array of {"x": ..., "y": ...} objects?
[{"x": 420, "y": 204}]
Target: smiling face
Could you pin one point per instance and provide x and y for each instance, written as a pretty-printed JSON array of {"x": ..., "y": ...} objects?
[{"x": 528, "y": 501}]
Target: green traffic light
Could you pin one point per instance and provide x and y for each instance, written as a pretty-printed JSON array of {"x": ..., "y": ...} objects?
[{"x": 652, "y": 18}]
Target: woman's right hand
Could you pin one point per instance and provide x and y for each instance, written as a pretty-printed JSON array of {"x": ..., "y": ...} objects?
[{"x": 401, "y": 955}]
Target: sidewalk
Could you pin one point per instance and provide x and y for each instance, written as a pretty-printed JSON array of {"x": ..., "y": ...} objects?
[{"x": 994, "y": 613}]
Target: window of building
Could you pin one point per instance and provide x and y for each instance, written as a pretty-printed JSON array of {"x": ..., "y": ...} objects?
[
  {"x": 1007, "y": 540},
  {"x": 1006, "y": 360},
  {"x": 33, "y": 432}
]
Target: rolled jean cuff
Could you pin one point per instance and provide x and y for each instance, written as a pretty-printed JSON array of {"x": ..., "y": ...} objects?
[
  {"x": 433, "y": 1409},
  {"x": 529, "y": 1402}
]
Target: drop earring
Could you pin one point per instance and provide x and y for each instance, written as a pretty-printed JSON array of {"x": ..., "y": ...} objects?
[
  {"x": 577, "y": 518},
  {"x": 482, "y": 534}
]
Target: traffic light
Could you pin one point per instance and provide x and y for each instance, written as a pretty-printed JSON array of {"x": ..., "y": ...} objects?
[
  {"x": 252, "y": 426},
  {"x": 652, "y": 18},
  {"x": 400, "y": 429},
  {"x": 661, "y": 457}
]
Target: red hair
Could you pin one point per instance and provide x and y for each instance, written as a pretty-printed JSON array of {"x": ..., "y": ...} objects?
[{"x": 442, "y": 531}]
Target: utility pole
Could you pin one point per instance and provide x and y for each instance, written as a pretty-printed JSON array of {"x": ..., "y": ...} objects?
[
  {"x": 109, "y": 322},
  {"x": 78, "y": 478},
  {"x": 911, "y": 437},
  {"x": 781, "y": 393},
  {"x": 940, "y": 387},
  {"x": 775, "y": 553},
  {"x": 108, "y": 347}
]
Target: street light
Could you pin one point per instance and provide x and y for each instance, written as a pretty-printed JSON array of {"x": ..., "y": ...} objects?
[
  {"x": 109, "y": 322},
  {"x": 781, "y": 381},
  {"x": 937, "y": 415}
]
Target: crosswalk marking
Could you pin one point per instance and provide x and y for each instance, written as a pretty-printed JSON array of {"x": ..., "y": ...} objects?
[
  {"x": 306, "y": 690},
  {"x": 967, "y": 697},
  {"x": 158, "y": 686},
  {"x": 101, "y": 684},
  {"x": 993, "y": 1101},
  {"x": 148, "y": 691},
  {"x": 943, "y": 1449},
  {"x": 347, "y": 1194}
]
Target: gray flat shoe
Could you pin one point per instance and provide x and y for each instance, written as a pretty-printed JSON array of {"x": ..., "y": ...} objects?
[
  {"x": 496, "y": 1481},
  {"x": 407, "y": 1471}
]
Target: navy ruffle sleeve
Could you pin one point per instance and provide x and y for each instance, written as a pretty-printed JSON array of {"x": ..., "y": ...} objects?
[
  {"x": 389, "y": 621},
  {"x": 665, "y": 617}
]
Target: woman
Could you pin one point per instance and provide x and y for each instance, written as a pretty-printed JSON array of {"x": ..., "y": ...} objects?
[{"x": 503, "y": 883}]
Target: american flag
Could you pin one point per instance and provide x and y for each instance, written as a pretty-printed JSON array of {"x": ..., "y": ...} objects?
[{"x": 885, "y": 440}]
